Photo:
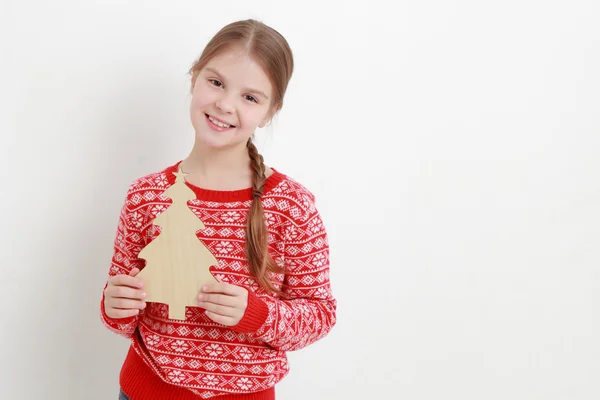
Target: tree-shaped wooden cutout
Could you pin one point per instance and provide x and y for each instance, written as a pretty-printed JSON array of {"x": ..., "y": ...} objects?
[{"x": 177, "y": 262}]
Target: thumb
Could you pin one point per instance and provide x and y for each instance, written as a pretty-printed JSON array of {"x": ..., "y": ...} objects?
[{"x": 134, "y": 272}]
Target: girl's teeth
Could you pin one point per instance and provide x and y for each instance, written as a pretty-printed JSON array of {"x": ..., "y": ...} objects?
[{"x": 222, "y": 125}]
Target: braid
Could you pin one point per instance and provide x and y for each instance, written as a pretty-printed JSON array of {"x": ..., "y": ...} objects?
[
  {"x": 256, "y": 229},
  {"x": 258, "y": 170}
]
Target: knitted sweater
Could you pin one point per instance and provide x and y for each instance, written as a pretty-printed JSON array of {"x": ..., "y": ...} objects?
[{"x": 198, "y": 358}]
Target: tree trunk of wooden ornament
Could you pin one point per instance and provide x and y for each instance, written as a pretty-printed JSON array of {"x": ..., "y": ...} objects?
[{"x": 177, "y": 262}]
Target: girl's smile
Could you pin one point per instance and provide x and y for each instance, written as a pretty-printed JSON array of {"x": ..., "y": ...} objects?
[{"x": 217, "y": 124}]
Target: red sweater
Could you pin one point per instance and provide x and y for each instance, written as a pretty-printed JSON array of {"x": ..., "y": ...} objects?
[{"x": 198, "y": 358}]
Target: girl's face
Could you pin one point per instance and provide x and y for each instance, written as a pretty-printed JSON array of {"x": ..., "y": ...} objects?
[{"x": 230, "y": 99}]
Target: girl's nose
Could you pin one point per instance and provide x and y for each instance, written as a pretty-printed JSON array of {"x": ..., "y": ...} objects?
[{"x": 224, "y": 105}]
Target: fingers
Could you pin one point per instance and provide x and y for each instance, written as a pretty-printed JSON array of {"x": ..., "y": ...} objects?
[
  {"x": 117, "y": 307},
  {"x": 125, "y": 292},
  {"x": 126, "y": 304},
  {"x": 217, "y": 298},
  {"x": 219, "y": 309},
  {"x": 117, "y": 313},
  {"x": 221, "y": 319},
  {"x": 123, "y": 297},
  {"x": 224, "y": 303},
  {"x": 225, "y": 288},
  {"x": 126, "y": 280}
]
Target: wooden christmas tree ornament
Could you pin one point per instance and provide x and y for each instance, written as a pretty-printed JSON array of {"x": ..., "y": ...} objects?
[{"x": 177, "y": 262}]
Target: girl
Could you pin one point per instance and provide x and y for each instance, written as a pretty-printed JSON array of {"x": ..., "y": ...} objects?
[{"x": 273, "y": 293}]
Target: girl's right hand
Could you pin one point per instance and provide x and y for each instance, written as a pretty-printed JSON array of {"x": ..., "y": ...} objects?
[{"x": 123, "y": 297}]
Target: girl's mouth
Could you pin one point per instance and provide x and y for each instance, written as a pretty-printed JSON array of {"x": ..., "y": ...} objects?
[{"x": 218, "y": 125}]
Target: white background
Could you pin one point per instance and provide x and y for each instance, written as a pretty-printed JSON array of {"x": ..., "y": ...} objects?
[{"x": 454, "y": 149}]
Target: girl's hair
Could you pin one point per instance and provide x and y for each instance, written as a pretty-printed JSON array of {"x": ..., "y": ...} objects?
[{"x": 272, "y": 52}]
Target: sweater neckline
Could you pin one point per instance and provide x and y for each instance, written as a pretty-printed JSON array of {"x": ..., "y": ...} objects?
[{"x": 224, "y": 195}]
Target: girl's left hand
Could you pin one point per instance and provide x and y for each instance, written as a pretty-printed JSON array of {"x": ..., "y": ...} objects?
[{"x": 224, "y": 303}]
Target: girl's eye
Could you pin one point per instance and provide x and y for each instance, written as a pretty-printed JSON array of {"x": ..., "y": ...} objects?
[
  {"x": 251, "y": 98},
  {"x": 215, "y": 82}
]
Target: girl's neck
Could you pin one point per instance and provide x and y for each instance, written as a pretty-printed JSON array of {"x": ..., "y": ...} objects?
[{"x": 218, "y": 170}]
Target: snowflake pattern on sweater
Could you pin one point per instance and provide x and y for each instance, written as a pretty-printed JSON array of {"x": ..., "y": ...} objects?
[{"x": 203, "y": 356}]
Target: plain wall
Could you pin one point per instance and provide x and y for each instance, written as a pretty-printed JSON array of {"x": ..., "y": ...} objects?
[{"x": 453, "y": 148}]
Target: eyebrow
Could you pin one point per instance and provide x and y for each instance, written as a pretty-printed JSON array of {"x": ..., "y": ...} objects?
[{"x": 246, "y": 90}]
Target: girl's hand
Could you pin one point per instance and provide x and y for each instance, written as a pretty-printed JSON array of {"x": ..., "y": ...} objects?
[
  {"x": 123, "y": 296},
  {"x": 224, "y": 303}
]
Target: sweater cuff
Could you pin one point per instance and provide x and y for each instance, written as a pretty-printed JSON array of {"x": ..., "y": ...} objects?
[{"x": 256, "y": 315}]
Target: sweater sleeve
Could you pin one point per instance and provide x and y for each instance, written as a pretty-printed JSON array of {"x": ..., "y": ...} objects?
[
  {"x": 307, "y": 312},
  {"x": 127, "y": 245}
]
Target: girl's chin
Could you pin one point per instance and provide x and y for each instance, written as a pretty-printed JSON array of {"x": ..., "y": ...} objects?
[{"x": 220, "y": 142}]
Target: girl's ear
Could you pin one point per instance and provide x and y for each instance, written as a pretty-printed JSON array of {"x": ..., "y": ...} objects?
[{"x": 193, "y": 81}]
